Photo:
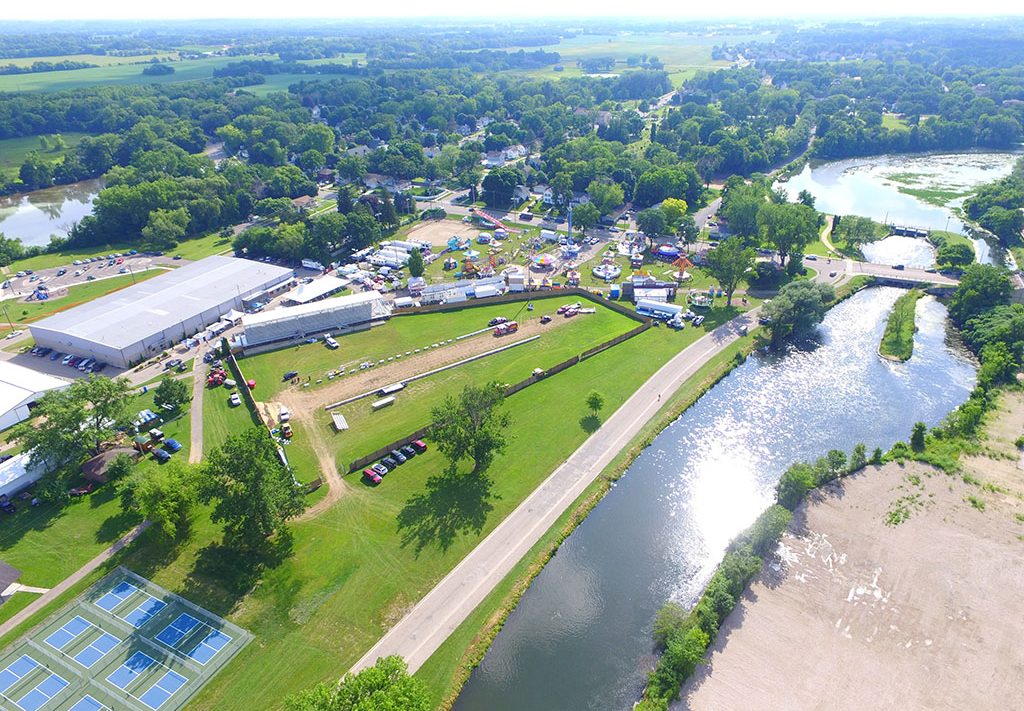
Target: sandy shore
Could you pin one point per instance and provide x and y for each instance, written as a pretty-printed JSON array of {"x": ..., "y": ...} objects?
[{"x": 860, "y": 614}]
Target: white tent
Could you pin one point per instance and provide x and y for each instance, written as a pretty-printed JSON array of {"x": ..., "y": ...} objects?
[
  {"x": 232, "y": 316},
  {"x": 16, "y": 474}
]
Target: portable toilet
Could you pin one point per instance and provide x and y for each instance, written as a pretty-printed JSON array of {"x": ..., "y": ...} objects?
[{"x": 616, "y": 291}]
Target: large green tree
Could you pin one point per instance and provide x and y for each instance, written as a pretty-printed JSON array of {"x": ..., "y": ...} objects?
[
  {"x": 651, "y": 222},
  {"x": 386, "y": 686},
  {"x": 981, "y": 287},
  {"x": 605, "y": 195},
  {"x": 500, "y": 185},
  {"x": 729, "y": 262},
  {"x": 797, "y": 309},
  {"x": 253, "y": 493},
  {"x": 788, "y": 226},
  {"x": 471, "y": 426},
  {"x": 165, "y": 495},
  {"x": 171, "y": 393},
  {"x": 585, "y": 216}
]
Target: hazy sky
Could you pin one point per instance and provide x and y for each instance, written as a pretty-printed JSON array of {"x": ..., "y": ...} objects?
[{"x": 186, "y": 9}]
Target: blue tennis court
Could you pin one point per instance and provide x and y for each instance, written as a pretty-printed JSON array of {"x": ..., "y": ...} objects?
[
  {"x": 118, "y": 594},
  {"x": 43, "y": 692},
  {"x": 144, "y": 612},
  {"x": 130, "y": 670},
  {"x": 88, "y": 703},
  {"x": 15, "y": 671},
  {"x": 208, "y": 648},
  {"x": 68, "y": 633},
  {"x": 177, "y": 630},
  {"x": 99, "y": 648},
  {"x": 157, "y": 695}
]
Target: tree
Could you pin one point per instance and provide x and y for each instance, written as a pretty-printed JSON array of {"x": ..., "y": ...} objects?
[
  {"x": 36, "y": 172},
  {"x": 917, "y": 436},
  {"x": 386, "y": 686},
  {"x": 585, "y": 216},
  {"x": 740, "y": 206},
  {"x": 415, "y": 263},
  {"x": 388, "y": 214},
  {"x": 797, "y": 309},
  {"x": 674, "y": 210},
  {"x": 687, "y": 229},
  {"x": 651, "y": 221},
  {"x": 957, "y": 254},
  {"x": 855, "y": 230},
  {"x": 471, "y": 425},
  {"x": 171, "y": 393},
  {"x": 981, "y": 287},
  {"x": 998, "y": 365},
  {"x": 166, "y": 496},
  {"x": 105, "y": 404},
  {"x": 253, "y": 493},
  {"x": 166, "y": 227},
  {"x": 595, "y": 401},
  {"x": 804, "y": 197},
  {"x": 788, "y": 226},
  {"x": 729, "y": 262},
  {"x": 500, "y": 185},
  {"x": 362, "y": 227},
  {"x": 53, "y": 439},
  {"x": 605, "y": 195}
]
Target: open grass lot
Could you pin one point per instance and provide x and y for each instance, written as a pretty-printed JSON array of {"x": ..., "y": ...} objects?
[
  {"x": 281, "y": 82},
  {"x": 14, "y": 150},
  {"x": 893, "y": 121},
  {"x": 22, "y": 312},
  {"x": 102, "y": 60},
  {"x": 220, "y": 419},
  {"x": 191, "y": 249},
  {"x": 898, "y": 338},
  {"x": 186, "y": 70}
]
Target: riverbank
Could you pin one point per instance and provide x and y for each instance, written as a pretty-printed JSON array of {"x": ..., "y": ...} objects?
[
  {"x": 855, "y": 613},
  {"x": 897, "y": 342}
]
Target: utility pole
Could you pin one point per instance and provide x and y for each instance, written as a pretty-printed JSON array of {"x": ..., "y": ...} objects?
[{"x": 8, "y": 317}]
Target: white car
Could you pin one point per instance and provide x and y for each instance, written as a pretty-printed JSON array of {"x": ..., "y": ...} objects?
[
  {"x": 331, "y": 343},
  {"x": 284, "y": 415},
  {"x": 235, "y": 400}
]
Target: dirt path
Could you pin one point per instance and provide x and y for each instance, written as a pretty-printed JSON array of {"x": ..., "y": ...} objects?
[
  {"x": 336, "y": 486},
  {"x": 67, "y": 582},
  {"x": 195, "y": 452},
  {"x": 303, "y": 400}
]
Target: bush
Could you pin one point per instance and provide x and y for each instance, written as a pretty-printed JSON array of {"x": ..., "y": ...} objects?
[
  {"x": 917, "y": 436},
  {"x": 794, "y": 484},
  {"x": 670, "y": 621},
  {"x": 858, "y": 458},
  {"x": 765, "y": 532}
]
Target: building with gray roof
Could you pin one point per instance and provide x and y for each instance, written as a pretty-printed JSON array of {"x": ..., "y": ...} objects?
[{"x": 130, "y": 325}]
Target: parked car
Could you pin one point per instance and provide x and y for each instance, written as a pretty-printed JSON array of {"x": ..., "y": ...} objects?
[
  {"x": 286, "y": 431},
  {"x": 67, "y": 359},
  {"x": 172, "y": 363},
  {"x": 331, "y": 343},
  {"x": 390, "y": 463},
  {"x": 55, "y": 355},
  {"x": 235, "y": 400},
  {"x": 172, "y": 445},
  {"x": 898, "y": 267},
  {"x": 156, "y": 434},
  {"x": 420, "y": 446},
  {"x": 290, "y": 375},
  {"x": 162, "y": 455},
  {"x": 545, "y": 319},
  {"x": 97, "y": 367},
  {"x": 284, "y": 414},
  {"x": 496, "y": 320},
  {"x": 398, "y": 456},
  {"x": 372, "y": 476},
  {"x": 409, "y": 451},
  {"x": 810, "y": 258},
  {"x": 380, "y": 468},
  {"x": 62, "y": 272}
]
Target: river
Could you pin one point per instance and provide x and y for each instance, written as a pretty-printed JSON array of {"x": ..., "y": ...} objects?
[
  {"x": 871, "y": 187},
  {"x": 580, "y": 636},
  {"x": 33, "y": 217}
]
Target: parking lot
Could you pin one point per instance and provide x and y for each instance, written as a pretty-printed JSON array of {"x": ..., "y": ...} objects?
[{"x": 72, "y": 274}]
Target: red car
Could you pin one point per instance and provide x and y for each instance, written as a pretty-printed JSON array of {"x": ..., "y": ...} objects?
[
  {"x": 372, "y": 476},
  {"x": 420, "y": 446}
]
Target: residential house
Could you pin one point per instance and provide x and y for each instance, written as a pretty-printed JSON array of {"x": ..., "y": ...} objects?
[{"x": 359, "y": 151}]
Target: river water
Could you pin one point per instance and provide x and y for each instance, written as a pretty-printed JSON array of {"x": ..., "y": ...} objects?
[
  {"x": 33, "y": 217},
  {"x": 580, "y": 636},
  {"x": 871, "y": 187}
]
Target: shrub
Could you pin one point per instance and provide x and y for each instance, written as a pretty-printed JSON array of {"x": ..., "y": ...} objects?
[
  {"x": 794, "y": 484},
  {"x": 858, "y": 458},
  {"x": 670, "y": 620},
  {"x": 917, "y": 436},
  {"x": 765, "y": 532}
]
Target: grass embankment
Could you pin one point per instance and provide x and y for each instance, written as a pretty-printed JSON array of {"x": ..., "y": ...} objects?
[
  {"x": 898, "y": 338},
  {"x": 191, "y": 249}
]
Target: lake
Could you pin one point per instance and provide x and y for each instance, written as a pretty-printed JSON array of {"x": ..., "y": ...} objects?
[
  {"x": 580, "y": 638},
  {"x": 871, "y": 187},
  {"x": 33, "y": 217}
]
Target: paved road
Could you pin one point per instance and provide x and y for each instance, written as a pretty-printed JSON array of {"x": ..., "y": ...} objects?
[
  {"x": 441, "y": 611},
  {"x": 67, "y": 582}
]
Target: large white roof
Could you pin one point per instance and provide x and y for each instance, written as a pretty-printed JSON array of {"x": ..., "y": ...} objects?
[
  {"x": 124, "y": 317},
  {"x": 19, "y": 384},
  {"x": 287, "y": 313},
  {"x": 317, "y": 288}
]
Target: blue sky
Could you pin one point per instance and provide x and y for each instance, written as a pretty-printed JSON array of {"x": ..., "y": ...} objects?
[{"x": 189, "y": 9}]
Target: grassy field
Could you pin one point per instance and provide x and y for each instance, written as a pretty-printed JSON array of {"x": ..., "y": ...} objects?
[
  {"x": 21, "y": 312},
  {"x": 893, "y": 122},
  {"x": 14, "y": 150},
  {"x": 186, "y": 70},
  {"x": 281, "y": 82},
  {"x": 102, "y": 60},
  {"x": 196, "y": 248},
  {"x": 898, "y": 338}
]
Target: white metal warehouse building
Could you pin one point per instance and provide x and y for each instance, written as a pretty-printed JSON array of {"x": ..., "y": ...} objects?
[
  {"x": 314, "y": 319},
  {"x": 136, "y": 323},
  {"x": 20, "y": 388}
]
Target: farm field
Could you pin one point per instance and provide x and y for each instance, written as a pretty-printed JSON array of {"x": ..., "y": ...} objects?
[
  {"x": 185, "y": 70},
  {"x": 14, "y": 150},
  {"x": 102, "y": 60}
]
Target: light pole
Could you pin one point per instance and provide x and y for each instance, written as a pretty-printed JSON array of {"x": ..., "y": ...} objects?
[
  {"x": 8, "y": 316},
  {"x": 131, "y": 272}
]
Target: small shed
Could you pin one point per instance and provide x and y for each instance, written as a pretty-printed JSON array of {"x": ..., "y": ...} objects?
[
  {"x": 142, "y": 443},
  {"x": 95, "y": 469}
]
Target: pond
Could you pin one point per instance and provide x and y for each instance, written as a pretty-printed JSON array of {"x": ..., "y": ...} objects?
[
  {"x": 580, "y": 636},
  {"x": 915, "y": 190},
  {"x": 33, "y": 217}
]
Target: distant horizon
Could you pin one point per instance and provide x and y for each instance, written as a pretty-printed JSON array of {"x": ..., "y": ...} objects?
[{"x": 569, "y": 10}]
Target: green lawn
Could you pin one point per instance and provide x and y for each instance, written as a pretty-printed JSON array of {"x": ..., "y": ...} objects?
[
  {"x": 14, "y": 150},
  {"x": 186, "y": 70},
  {"x": 892, "y": 122},
  {"x": 220, "y": 419},
  {"x": 898, "y": 338},
  {"x": 192, "y": 249},
  {"x": 22, "y": 312},
  {"x": 940, "y": 238}
]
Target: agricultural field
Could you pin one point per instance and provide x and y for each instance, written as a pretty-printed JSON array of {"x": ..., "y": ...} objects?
[
  {"x": 185, "y": 70},
  {"x": 14, "y": 150},
  {"x": 102, "y": 60}
]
